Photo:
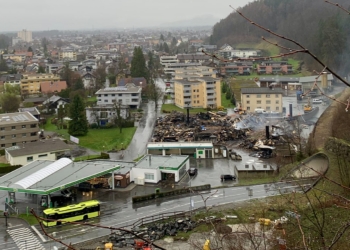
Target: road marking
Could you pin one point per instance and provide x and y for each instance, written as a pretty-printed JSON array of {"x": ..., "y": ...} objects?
[
  {"x": 19, "y": 225},
  {"x": 25, "y": 239},
  {"x": 39, "y": 234}
]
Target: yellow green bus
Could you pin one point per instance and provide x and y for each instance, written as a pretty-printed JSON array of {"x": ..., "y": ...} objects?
[{"x": 82, "y": 211}]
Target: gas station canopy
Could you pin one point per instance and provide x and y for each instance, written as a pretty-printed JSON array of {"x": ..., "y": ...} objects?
[{"x": 45, "y": 177}]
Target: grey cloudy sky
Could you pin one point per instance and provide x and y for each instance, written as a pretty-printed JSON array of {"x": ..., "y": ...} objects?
[{"x": 97, "y": 14}]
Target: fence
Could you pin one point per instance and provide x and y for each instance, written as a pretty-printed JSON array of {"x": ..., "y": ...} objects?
[{"x": 147, "y": 197}]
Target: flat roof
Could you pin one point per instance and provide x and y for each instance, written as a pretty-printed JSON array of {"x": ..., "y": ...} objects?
[
  {"x": 168, "y": 145},
  {"x": 37, "y": 147},
  {"x": 11, "y": 118},
  {"x": 171, "y": 162},
  {"x": 45, "y": 177}
]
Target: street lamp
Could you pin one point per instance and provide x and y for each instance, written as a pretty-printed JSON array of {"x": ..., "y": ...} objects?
[{"x": 188, "y": 112}]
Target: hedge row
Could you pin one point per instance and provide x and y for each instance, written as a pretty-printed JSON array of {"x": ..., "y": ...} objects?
[{"x": 147, "y": 197}]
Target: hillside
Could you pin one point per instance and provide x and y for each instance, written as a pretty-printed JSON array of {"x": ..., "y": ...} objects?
[{"x": 322, "y": 28}]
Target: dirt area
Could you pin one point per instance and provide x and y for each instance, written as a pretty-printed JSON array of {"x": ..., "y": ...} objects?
[
  {"x": 3, "y": 159},
  {"x": 335, "y": 117}
]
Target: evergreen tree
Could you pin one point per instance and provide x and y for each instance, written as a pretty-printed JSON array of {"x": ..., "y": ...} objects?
[
  {"x": 228, "y": 95},
  {"x": 224, "y": 87},
  {"x": 41, "y": 69},
  {"x": 78, "y": 84},
  {"x": 78, "y": 125},
  {"x": 30, "y": 49},
  {"x": 138, "y": 64},
  {"x": 161, "y": 37},
  {"x": 166, "y": 48},
  {"x": 3, "y": 65}
]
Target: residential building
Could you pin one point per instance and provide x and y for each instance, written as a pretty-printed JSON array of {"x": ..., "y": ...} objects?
[
  {"x": 52, "y": 87},
  {"x": 283, "y": 82},
  {"x": 49, "y": 150},
  {"x": 228, "y": 52},
  {"x": 237, "y": 68},
  {"x": 137, "y": 81},
  {"x": 88, "y": 78},
  {"x": 104, "y": 114},
  {"x": 54, "y": 102},
  {"x": 10, "y": 79},
  {"x": 33, "y": 110},
  {"x": 171, "y": 67},
  {"x": 15, "y": 57},
  {"x": 25, "y": 35},
  {"x": 16, "y": 40},
  {"x": 30, "y": 83},
  {"x": 67, "y": 54},
  {"x": 268, "y": 99},
  {"x": 52, "y": 68},
  {"x": 18, "y": 128},
  {"x": 274, "y": 67},
  {"x": 165, "y": 60},
  {"x": 188, "y": 58},
  {"x": 128, "y": 95},
  {"x": 197, "y": 87}
]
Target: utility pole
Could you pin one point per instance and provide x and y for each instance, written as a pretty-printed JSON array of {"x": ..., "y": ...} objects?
[{"x": 6, "y": 214}]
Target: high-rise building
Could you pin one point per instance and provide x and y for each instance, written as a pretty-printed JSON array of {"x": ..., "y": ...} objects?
[{"x": 25, "y": 35}]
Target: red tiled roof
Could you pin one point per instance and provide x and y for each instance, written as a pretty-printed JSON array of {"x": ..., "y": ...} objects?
[{"x": 47, "y": 87}]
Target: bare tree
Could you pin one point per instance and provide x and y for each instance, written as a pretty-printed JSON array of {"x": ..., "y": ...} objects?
[{"x": 154, "y": 93}]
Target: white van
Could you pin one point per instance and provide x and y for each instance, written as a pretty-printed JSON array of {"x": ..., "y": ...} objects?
[{"x": 260, "y": 111}]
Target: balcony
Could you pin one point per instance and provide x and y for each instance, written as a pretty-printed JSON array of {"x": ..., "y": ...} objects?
[{"x": 211, "y": 91}]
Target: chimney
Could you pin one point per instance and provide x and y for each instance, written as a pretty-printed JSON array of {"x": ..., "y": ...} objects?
[
  {"x": 267, "y": 129},
  {"x": 324, "y": 80},
  {"x": 290, "y": 110}
]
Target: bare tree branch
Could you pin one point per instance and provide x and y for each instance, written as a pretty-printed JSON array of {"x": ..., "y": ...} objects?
[{"x": 339, "y": 6}]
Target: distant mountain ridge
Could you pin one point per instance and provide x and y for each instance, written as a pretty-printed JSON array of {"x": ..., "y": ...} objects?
[
  {"x": 322, "y": 28},
  {"x": 204, "y": 20}
]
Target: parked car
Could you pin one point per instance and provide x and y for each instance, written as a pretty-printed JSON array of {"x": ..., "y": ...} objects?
[
  {"x": 227, "y": 177},
  {"x": 316, "y": 101},
  {"x": 192, "y": 171}
]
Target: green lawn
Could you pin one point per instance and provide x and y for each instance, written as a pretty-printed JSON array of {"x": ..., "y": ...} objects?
[
  {"x": 226, "y": 103},
  {"x": 30, "y": 219},
  {"x": 172, "y": 107},
  {"x": 98, "y": 139},
  {"x": 4, "y": 165}
]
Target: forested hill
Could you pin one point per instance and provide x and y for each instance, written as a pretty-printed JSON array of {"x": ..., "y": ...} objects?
[{"x": 322, "y": 28}]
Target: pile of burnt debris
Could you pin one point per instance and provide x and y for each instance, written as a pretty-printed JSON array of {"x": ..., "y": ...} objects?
[
  {"x": 207, "y": 126},
  {"x": 151, "y": 233}
]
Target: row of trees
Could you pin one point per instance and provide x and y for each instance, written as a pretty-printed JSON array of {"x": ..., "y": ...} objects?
[{"x": 229, "y": 94}]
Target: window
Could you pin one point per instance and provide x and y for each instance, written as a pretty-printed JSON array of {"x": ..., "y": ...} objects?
[
  {"x": 248, "y": 102},
  {"x": 99, "y": 100},
  {"x": 29, "y": 158},
  {"x": 268, "y": 108},
  {"x": 2, "y": 145},
  {"x": 268, "y": 102},
  {"x": 248, "y": 108},
  {"x": 44, "y": 155},
  {"x": 277, "y": 95},
  {"x": 194, "y": 90},
  {"x": 33, "y": 134},
  {"x": 247, "y": 96},
  {"x": 2, "y": 137},
  {"x": 277, "y": 108},
  {"x": 197, "y": 96},
  {"x": 120, "y": 94},
  {"x": 24, "y": 135},
  {"x": 13, "y": 136},
  {"x": 2, "y": 128},
  {"x": 13, "y": 127},
  {"x": 149, "y": 176},
  {"x": 106, "y": 100},
  {"x": 258, "y": 96},
  {"x": 267, "y": 96},
  {"x": 113, "y": 94},
  {"x": 105, "y": 94},
  {"x": 277, "y": 102},
  {"x": 14, "y": 144},
  {"x": 23, "y": 126},
  {"x": 258, "y": 102},
  {"x": 33, "y": 125}
]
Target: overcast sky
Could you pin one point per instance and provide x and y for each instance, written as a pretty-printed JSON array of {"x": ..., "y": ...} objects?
[{"x": 98, "y": 14}]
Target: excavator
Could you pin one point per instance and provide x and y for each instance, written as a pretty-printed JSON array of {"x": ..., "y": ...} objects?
[{"x": 307, "y": 107}]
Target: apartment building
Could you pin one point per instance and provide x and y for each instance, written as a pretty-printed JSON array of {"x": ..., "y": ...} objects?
[
  {"x": 128, "y": 95},
  {"x": 197, "y": 87},
  {"x": 165, "y": 60},
  {"x": 25, "y": 35},
  {"x": 171, "y": 67},
  {"x": 30, "y": 83},
  {"x": 274, "y": 67},
  {"x": 228, "y": 52},
  {"x": 18, "y": 128},
  {"x": 67, "y": 54},
  {"x": 269, "y": 99}
]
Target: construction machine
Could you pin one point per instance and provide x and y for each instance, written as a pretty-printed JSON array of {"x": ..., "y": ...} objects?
[{"x": 308, "y": 107}]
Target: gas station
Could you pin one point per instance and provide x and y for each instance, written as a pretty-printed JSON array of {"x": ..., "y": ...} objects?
[{"x": 43, "y": 177}]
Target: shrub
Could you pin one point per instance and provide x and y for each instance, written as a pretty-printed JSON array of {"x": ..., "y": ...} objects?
[{"x": 93, "y": 125}]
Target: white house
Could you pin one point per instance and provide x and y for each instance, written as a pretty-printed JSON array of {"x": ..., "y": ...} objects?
[
  {"x": 104, "y": 114},
  {"x": 155, "y": 168},
  {"x": 38, "y": 150}
]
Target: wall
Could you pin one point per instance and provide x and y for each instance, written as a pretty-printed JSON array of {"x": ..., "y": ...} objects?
[
  {"x": 22, "y": 160},
  {"x": 140, "y": 173}
]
